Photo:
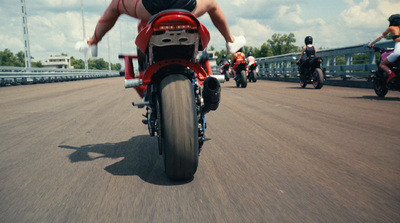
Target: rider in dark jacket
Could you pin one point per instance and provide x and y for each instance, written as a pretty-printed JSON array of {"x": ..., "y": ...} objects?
[{"x": 310, "y": 51}]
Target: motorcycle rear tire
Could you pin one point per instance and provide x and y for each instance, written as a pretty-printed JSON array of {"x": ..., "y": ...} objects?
[
  {"x": 380, "y": 87},
  {"x": 303, "y": 81},
  {"x": 179, "y": 138},
  {"x": 254, "y": 75},
  {"x": 243, "y": 79},
  {"x": 318, "y": 78},
  {"x": 226, "y": 75}
]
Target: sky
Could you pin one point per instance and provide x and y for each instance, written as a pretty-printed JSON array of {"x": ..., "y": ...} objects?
[{"x": 56, "y": 25}]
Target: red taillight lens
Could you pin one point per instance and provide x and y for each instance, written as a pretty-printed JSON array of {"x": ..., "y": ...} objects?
[
  {"x": 183, "y": 27},
  {"x": 174, "y": 22},
  {"x": 175, "y": 27},
  {"x": 166, "y": 27}
]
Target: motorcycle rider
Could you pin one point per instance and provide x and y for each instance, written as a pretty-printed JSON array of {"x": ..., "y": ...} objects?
[
  {"x": 394, "y": 29},
  {"x": 144, "y": 9},
  {"x": 224, "y": 60},
  {"x": 250, "y": 59},
  {"x": 238, "y": 58},
  {"x": 310, "y": 51}
]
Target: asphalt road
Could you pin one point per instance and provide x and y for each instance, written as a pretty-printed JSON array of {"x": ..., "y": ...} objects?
[{"x": 78, "y": 152}]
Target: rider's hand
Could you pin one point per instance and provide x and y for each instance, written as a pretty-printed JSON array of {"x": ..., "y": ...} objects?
[
  {"x": 91, "y": 41},
  {"x": 371, "y": 45}
]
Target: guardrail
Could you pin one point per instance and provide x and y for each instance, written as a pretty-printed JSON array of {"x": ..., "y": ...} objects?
[{"x": 22, "y": 75}]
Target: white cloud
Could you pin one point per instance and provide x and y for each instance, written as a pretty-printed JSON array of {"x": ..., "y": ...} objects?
[
  {"x": 59, "y": 3},
  {"x": 359, "y": 16},
  {"x": 239, "y": 3}
]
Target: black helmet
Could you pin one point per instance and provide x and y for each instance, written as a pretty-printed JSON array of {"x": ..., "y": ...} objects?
[
  {"x": 249, "y": 54},
  {"x": 308, "y": 40},
  {"x": 240, "y": 50},
  {"x": 223, "y": 56},
  {"x": 394, "y": 20}
]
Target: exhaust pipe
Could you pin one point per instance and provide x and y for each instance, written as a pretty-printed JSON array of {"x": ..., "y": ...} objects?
[
  {"x": 132, "y": 83},
  {"x": 220, "y": 78},
  {"x": 211, "y": 94}
]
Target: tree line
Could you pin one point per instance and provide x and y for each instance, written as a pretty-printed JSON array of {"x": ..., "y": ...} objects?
[
  {"x": 278, "y": 44},
  {"x": 8, "y": 58}
]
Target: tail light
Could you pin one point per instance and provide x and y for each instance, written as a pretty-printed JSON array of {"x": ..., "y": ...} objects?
[
  {"x": 178, "y": 27},
  {"x": 175, "y": 22}
]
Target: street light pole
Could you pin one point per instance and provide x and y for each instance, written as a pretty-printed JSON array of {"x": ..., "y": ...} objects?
[
  {"x": 28, "y": 62},
  {"x": 84, "y": 33},
  {"x": 108, "y": 42}
]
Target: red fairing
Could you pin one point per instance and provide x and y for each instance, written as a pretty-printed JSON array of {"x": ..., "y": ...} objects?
[{"x": 170, "y": 18}]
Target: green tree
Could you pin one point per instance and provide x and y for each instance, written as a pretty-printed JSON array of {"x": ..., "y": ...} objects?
[
  {"x": 116, "y": 66},
  {"x": 265, "y": 51},
  {"x": 37, "y": 64},
  {"x": 7, "y": 58},
  {"x": 77, "y": 64},
  {"x": 98, "y": 64},
  {"x": 282, "y": 44},
  {"x": 21, "y": 58}
]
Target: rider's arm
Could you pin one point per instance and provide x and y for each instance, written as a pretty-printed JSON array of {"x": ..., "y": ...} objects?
[
  {"x": 301, "y": 56},
  {"x": 106, "y": 22},
  {"x": 371, "y": 45}
]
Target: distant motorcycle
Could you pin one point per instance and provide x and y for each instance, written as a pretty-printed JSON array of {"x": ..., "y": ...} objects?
[
  {"x": 312, "y": 73},
  {"x": 252, "y": 73},
  {"x": 241, "y": 74},
  {"x": 224, "y": 70},
  {"x": 379, "y": 78}
]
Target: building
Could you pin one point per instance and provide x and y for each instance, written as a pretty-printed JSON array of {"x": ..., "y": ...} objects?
[
  {"x": 212, "y": 58},
  {"x": 58, "y": 62}
]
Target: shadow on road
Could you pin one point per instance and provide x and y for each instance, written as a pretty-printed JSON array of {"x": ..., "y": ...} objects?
[
  {"x": 377, "y": 98},
  {"x": 140, "y": 155},
  {"x": 306, "y": 88}
]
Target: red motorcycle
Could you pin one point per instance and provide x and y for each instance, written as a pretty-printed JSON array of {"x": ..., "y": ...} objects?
[
  {"x": 381, "y": 86},
  {"x": 252, "y": 72},
  {"x": 177, "y": 92},
  {"x": 240, "y": 70},
  {"x": 224, "y": 70}
]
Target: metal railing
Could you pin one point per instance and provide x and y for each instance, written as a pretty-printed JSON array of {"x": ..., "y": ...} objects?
[{"x": 22, "y": 75}]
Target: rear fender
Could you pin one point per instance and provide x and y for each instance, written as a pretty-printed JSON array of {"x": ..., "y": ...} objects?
[
  {"x": 316, "y": 62},
  {"x": 201, "y": 74},
  {"x": 172, "y": 18}
]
